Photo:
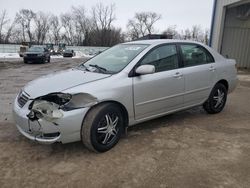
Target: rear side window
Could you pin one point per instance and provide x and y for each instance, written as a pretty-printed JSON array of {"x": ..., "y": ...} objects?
[
  {"x": 195, "y": 55},
  {"x": 164, "y": 58}
]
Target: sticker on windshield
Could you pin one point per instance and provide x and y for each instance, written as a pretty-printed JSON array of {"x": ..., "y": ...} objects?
[{"x": 134, "y": 48}]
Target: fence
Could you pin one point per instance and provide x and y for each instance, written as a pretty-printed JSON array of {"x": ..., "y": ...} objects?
[
  {"x": 9, "y": 48},
  {"x": 14, "y": 48}
]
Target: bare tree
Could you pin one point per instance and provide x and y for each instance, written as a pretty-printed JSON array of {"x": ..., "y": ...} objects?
[
  {"x": 24, "y": 17},
  {"x": 75, "y": 27},
  {"x": 172, "y": 32},
  {"x": 15, "y": 36},
  {"x": 206, "y": 39},
  {"x": 69, "y": 28},
  {"x": 9, "y": 32},
  {"x": 3, "y": 21},
  {"x": 80, "y": 29},
  {"x": 42, "y": 27},
  {"x": 102, "y": 18},
  {"x": 188, "y": 34},
  {"x": 142, "y": 24},
  {"x": 82, "y": 24},
  {"x": 135, "y": 30},
  {"x": 6, "y": 27},
  {"x": 197, "y": 33},
  {"x": 55, "y": 28}
]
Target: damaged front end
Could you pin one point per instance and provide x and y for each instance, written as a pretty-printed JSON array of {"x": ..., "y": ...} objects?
[
  {"x": 55, "y": 117},
  {"x": 50, "y": 107}
]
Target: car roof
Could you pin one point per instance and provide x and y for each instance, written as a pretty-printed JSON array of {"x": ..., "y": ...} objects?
[{"x": 160, "y": 41}]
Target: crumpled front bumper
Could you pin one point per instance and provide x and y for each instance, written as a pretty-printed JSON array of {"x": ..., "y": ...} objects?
[
  {"x": 66, "y": 129},
  {"x": 38, "y": 138}
]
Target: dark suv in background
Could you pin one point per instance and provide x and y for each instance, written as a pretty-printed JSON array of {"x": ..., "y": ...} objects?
[
  {"x": 68, "y": 53},
  {"x": 36, "y": 54}
]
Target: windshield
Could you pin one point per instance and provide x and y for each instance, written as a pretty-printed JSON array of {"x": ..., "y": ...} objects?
[
  {"x": 35, "y": 49},
  {"x": 114, "y": 59},
  {"x": 68, "y": 51}
]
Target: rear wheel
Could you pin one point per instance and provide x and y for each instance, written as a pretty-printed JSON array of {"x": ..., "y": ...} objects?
[
  {"x": 216, "y": 100},
  {"x": 102, "y": 127}
]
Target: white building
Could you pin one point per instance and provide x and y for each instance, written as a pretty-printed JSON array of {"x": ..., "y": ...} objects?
[{"x": 230, "y": 30}]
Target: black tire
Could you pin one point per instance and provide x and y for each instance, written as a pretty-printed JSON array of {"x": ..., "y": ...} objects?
[
  {"x": 215, "y": 104},
  {"x": 44, "y": 60},
  {"x": 96, "y": 119},
  {"x": 49, "y": 59},
  {"x": 26, "y": 62}
]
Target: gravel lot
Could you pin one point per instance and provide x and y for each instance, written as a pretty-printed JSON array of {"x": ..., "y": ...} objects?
[{"x": 187, "y": 149}]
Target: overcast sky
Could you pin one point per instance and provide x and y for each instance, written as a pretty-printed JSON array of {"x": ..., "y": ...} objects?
[{"x": 182, "y": 13}]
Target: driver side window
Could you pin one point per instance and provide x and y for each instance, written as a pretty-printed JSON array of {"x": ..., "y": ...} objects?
[{"x": 164, "y": 58}]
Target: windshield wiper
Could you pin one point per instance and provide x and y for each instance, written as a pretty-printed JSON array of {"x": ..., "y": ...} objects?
[
  {"x": 84, "y": 66},
  {"x": 99, "y": 68}
]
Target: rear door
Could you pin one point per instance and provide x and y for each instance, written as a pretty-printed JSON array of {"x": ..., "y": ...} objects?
[
  {"x": 198, "y": 71},
  {"x": 158, "y": 93}
]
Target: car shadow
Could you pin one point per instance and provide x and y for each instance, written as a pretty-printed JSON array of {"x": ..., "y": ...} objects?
[{"x": 168, "y": 120}]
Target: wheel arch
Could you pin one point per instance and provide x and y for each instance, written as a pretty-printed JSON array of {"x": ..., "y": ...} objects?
[
  {"x": 224, "y": 82},
  {"x": 120, "y": 105},
  {"x": 123, "y": 109}
]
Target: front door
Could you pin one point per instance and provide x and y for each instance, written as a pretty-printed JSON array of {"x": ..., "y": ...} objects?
[{"x": 161, "y": 92}]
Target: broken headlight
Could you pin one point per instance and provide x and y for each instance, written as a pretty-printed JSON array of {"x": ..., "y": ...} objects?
[
  {"x": 57, "y": 98},
  {"x": 42, "y": 109}
]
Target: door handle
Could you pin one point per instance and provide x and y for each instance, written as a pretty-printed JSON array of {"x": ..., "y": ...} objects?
[
  {"x": 212, "y": 68},
  {"x": 177, "y": 75}
]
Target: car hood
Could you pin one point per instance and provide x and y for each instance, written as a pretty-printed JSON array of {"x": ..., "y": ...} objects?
[{"x": 57, "y": 82}]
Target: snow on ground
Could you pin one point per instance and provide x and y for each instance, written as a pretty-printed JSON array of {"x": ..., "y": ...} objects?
[
  {"x": 78, "y": 54},
  {"x": 56, "y": 56},
  {"x": 88, "y": 56},
  {"x": 9, "y": 55}
]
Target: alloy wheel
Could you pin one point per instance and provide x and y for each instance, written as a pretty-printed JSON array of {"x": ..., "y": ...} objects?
[
  {"x": 219, "y": 98},
  {"x": 107, "y": 129}
]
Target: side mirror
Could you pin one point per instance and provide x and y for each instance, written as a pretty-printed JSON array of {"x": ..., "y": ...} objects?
[{"x": 145, "y": 69}]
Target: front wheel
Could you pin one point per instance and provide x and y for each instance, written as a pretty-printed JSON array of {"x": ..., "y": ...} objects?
[
  {"x": 216, "y": 100},
  {"x": 44, "y": 60},
  {"x": 102, "y": 128}
]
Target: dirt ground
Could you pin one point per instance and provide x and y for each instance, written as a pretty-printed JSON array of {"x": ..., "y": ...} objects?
[{"x": 188, "y": 149}]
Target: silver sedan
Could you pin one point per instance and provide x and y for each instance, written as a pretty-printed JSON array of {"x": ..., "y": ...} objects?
[{"x": 127, "y": 84}]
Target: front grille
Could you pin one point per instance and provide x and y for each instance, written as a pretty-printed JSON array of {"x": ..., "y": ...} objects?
[
  {"x": 31, "y": 55},
  {"x": 22, "y": 99}
]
